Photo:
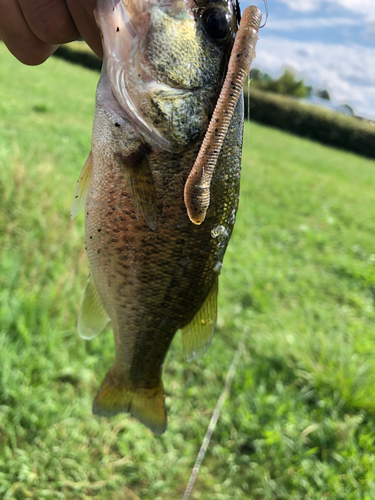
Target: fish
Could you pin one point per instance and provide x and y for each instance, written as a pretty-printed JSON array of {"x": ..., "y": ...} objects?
[{"x": 154, "y": 267}]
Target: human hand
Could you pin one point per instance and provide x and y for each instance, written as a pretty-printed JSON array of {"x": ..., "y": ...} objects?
[{"x": 33, "y": 29}]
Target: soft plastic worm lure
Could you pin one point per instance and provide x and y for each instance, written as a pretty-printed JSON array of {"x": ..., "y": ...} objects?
[{"x": 197, "y": 187}]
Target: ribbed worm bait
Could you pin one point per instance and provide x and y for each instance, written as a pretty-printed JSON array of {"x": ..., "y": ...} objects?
[{"x": 197, "y": 187}]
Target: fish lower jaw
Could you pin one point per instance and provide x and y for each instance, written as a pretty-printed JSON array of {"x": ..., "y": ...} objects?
[
  {"x": 162, "y": 88},
  {"x": 152, "y": 85},
  {"x": 147, "y": 74}
]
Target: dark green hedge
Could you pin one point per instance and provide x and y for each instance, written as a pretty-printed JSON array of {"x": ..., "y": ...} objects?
[
  {"x": 316, "y": 123},
  {"x": 81, "y": 57}
]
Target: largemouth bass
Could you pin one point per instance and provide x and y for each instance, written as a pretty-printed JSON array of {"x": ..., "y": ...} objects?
[{"x": 153, "y": 270}]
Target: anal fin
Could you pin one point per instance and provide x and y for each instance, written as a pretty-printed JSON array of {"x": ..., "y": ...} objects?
[
  {"x": 92, "y": 317},
  {"x": 118, "y": 395},
  {"x": 139, "y": 181},
  {"x": 197, "y": 335},
  {"x": 82, "y": 186}
]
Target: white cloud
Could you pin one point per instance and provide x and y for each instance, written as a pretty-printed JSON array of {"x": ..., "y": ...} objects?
[
  {"x": 311, "y": 23},
  {"x": 370, "y": 31},
  {"x": 359, "y": 6},
  {"x": 304, "y": 5},
  {"x": 347, "y": 72}
]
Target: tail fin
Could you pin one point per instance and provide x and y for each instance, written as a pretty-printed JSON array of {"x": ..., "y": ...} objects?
[{"x": 117, "y": 395}]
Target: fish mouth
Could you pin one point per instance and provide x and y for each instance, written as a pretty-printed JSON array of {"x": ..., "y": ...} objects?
[
  {"x": 133, "y": 77},
  {"x": 172, "y": 92},
  {"x": 148, "y": 74},
  {"x": 152, "y": 98},
  {"x": 169, "y": 90},
  {"x": 119, "y": 32}
]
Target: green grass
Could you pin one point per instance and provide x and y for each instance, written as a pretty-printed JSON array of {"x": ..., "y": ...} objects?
[{"x": 299, "y": 276}]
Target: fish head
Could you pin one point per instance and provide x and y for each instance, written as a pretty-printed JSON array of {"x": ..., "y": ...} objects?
[{"x": 166, "y": 61}]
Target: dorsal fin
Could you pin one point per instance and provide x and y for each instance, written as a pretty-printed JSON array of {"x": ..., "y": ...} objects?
[
  {"x": 92, "y": 317},
  {"x": 140, "y": 183},
  {"x": 82, "y": 186},
  {"x": 197, "y": 335}
]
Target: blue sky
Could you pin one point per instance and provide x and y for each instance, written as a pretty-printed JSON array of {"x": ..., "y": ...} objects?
[{"x": 330, "y": 43}]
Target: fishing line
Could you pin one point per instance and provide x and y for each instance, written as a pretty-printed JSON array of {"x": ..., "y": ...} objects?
[
  {"x": 215, "y": 415},
  {"x": 248, "y": 96},
  {"x": 248, "y": 76},
  {"x": 247, "y": 137},
  {"x": 265, "y": 22}
]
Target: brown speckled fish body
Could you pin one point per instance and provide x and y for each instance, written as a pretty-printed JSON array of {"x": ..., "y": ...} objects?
[{"x": 153, "y": 270}]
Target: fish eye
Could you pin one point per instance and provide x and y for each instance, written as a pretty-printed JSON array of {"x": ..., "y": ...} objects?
[{"x": 217, "y": 24}]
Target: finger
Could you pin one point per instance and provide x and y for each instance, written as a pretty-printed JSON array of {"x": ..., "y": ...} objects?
[
  {"x": 49, "y": 20},
  {"x": 82, "y": 13},
  {"x": 19, "y": 38}
]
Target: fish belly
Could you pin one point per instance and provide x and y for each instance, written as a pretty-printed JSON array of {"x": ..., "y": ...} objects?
[{"x": 153, "y": 281}]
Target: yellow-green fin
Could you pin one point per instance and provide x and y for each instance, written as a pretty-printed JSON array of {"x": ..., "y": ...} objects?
[
  {"x": 197, "y": 335},
  {"x": 139, "y": 181},
  {"x": 82, "y": 186},
  {"x": 117, "y": 395},
  {"x": 92, "y": 317}
]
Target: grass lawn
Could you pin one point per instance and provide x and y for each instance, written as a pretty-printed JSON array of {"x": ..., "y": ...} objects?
[{"x": 299, "y": 277}]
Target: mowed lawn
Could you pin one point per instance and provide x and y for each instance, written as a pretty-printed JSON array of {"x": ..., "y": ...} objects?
[{"x": 298, "y": 277}]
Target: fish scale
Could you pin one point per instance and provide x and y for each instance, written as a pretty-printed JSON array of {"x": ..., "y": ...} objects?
[
  {"x": 151, "y": 295},
  {"x": 152, "y": 270}
]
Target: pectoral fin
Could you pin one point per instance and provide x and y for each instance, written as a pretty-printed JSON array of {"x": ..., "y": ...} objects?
[
  {"x": 92, "y": 317},
  {"x": 139, "y": 182},
  {"x": 197, "y": 335},
  {"x": 82, "y": 186}
]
